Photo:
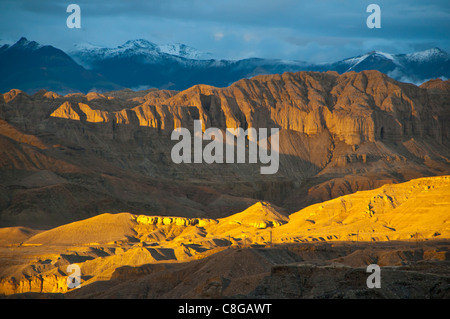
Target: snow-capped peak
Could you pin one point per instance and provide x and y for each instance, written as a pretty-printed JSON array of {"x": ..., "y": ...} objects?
[
  {"x": 182, "y": 50},
  {"x": 384, "y": 55},
  {"x": 138, "y": 44},
  {"x": 356, "y": 60},
  {"x": 131, "y": 47},
  {"x": 427, "y": 55},
  {"x": 139, "y": 47},
  {"x": 362, "y": 57},
  {"x": 353, "y": 62},
  {"x": 86, "y": 53}
]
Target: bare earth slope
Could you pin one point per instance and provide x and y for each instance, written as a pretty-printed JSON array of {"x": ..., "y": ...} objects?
[{"x": 100, "y": 229}]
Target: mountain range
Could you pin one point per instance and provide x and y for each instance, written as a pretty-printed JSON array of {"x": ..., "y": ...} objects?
[
  {"x": 89, "y": 178},
  {"x": 140, "y": 64}
]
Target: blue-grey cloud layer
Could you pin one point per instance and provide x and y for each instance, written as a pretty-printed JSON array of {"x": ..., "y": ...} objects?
[{"x": 316, "y": 31}]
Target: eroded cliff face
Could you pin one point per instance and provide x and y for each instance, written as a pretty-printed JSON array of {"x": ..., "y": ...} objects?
[
  {"x": 353, "y": 107},
  {"x": 338, "y": 134}
]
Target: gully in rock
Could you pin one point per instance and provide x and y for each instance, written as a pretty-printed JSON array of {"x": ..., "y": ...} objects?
[{"x": 214, "y": 151}]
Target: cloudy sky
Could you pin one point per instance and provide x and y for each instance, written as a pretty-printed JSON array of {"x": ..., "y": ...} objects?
[{"x": 314, "y": 31}]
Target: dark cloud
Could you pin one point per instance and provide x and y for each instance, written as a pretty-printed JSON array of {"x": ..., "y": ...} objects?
[{"x": 289, "y": 29}]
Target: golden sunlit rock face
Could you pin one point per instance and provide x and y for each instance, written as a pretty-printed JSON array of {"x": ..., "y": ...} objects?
[
  {"x": 305, "y": 102},
  {"x": 364, "y": 178},
  {"x": 411, "y": 212}
]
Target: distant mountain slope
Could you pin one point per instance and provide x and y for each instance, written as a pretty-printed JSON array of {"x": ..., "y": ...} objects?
[
  {"x": 86, "y": 54},
  {"x": 149, "y": 65},
  {"x": 140, "y": 64},
  {"x": 30, "y": 66},
  {"x": 414, "y": 67}
]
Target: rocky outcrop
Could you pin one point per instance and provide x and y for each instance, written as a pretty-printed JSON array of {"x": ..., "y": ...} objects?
[
  {"x": 54, "y": 283},
  {"x": 353, "y": 107},
  {"x": 178, "y": 221}
]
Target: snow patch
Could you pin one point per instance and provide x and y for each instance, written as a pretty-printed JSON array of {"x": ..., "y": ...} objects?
[
  {"x": 138, "y": 47},
  {"x": 385, "y": 55},
  {"x": 423, "y": 56},
  {"x": 182, "y": 50}
]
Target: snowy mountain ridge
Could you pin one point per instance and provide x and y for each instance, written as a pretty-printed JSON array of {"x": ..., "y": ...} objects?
[
  {"x": 142, "y": 64},
  {"x": 137, "y": 47}
]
